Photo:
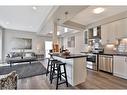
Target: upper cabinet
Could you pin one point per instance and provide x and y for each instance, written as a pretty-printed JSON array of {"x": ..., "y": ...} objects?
[
  {"x": 112, "y": 31},
  {"x": 108, "y": 33},
  {"x": 104, "y": 33},
  {"x": 121, "y": 28}
]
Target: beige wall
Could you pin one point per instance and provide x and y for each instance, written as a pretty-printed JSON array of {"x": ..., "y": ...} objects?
[{"x": 37, "y": 41}]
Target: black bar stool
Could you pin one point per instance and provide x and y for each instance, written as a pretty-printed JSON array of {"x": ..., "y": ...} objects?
[
  {"x": 50, "y": 66},
  {"x": 56, "y": 73}
]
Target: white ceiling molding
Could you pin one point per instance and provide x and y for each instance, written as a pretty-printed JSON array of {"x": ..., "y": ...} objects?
[
  {"x": 113, "y": 18},
  {"x": 47, "y": 23},
  {"x": 74, "y": 25},
  {"x": 87, "y": 16},
  {"x": 63, "y": 13}
]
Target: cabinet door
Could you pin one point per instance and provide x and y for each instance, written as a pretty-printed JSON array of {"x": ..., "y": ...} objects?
[
  {"x": 121, "y": 28},
  {"x": 120, "y": 66},
  {"x": 104, "y": 31},
  {"x": 108, "y": 33},
  {"x": 111, "y": 32}
]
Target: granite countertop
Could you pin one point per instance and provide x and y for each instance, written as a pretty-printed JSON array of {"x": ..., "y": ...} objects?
[
  {"x": 69, "y": 56},
  {"x": 116, "y": 54},
  {"x": 111, "y": 54}
]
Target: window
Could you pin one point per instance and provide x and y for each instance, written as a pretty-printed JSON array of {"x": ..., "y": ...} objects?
[{"x": 65, "y": 29}]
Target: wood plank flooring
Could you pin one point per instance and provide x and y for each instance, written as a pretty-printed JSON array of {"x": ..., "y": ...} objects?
[{"x": 95, "y": 80}]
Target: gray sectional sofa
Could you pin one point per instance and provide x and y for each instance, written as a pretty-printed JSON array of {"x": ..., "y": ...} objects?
[{"x": 19, "y": 57}]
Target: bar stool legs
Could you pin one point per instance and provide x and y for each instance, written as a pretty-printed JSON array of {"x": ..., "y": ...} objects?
[
  {"x": 47, "y": 71},
  {"x": 57, "y": 67},
  {"x": 58, "y": 75},
  {"x": 65, "y": 75},
  {"x": 52, "y": 70}
]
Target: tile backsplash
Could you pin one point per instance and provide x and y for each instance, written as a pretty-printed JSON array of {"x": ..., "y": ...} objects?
[{"x": 122, "y": 47}]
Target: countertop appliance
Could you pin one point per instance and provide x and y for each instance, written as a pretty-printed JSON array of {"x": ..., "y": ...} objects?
[{"x": 106, "y": 63}]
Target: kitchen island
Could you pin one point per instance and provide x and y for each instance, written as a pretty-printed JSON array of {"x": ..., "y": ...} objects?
[{"x": 75, "y": 67}]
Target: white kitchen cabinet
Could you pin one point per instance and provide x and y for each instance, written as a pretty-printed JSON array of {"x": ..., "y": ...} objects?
[
  {"x": 112, "y": 31},
  {"x": 120, "y": 66},
  {"x": 121, "y": 28},
  {"x": 104, "y": 34},
  {"x": 108, "y": 33}
]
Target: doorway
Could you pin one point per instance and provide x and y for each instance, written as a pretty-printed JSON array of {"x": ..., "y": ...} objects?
[{"x": 48, "y": 46}]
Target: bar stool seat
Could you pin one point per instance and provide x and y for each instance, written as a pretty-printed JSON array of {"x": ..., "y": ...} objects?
[{"x": 58, "y": 74}]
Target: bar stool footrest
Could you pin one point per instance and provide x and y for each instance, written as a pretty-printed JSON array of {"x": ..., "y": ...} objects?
[{"x": 62, "y": 82}]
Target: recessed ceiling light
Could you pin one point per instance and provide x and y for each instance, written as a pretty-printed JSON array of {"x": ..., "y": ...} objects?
[
  {"x": 7, "y": 22},
  {"x": 34, "y": 8},
  {"x": 98, "y": 10}
]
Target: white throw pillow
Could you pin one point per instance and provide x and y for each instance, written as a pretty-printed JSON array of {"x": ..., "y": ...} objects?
[{"x": 28, "y": 55}]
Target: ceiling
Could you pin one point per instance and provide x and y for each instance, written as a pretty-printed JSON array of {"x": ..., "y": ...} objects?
[
  {"x": 59, "y": 16},
  {"x": 83, "y": 15},
  {"x": 23, "y": 17},
  {"x": 87, "y": 16},
  {"x": 40, "y": 19}
]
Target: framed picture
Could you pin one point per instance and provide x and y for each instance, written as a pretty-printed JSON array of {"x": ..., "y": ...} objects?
[
  {"x": 71, "y": 41},
  {"x": 21, "y": 43}
]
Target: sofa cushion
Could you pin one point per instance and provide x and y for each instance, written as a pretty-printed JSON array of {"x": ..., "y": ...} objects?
[
  {"x": 28, "y": 55},
  {"x": 16, "y": 54}
]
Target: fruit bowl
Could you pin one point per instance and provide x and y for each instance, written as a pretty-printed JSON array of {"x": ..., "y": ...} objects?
[{"x": 66, "y": 53}]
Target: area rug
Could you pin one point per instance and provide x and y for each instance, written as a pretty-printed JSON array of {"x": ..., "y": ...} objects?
[{"x": 24, "y": 70}]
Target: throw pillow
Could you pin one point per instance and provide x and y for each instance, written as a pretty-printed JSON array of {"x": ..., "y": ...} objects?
[{"x": 28, "y": 55}]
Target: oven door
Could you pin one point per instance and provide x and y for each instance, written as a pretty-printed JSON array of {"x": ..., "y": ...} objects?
[{"x": 92, "y": 61}]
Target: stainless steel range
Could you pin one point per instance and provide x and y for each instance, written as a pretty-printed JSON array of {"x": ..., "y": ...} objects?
[{"x": 92, "y": 61}]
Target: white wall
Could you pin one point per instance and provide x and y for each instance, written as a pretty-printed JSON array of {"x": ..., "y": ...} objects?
[
  {"x": 37, "y": 41},
  {"x": 0, "y": 43},
  {"x": 79, "y": 42}
]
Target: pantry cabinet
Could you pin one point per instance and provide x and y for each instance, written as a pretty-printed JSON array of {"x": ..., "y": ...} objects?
[{"x": 120, "y": 66}]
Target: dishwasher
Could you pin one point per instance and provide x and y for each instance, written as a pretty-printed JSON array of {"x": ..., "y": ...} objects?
[{"x": 106, "y": 63}]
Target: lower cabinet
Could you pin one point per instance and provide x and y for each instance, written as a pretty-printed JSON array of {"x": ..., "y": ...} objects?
[{"x": 120, "y": 66}]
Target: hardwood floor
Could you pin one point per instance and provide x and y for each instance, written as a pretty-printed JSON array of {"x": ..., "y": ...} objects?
[
  {"x": 95, "y": 80},
  {"x": 101, "y": 80}
]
